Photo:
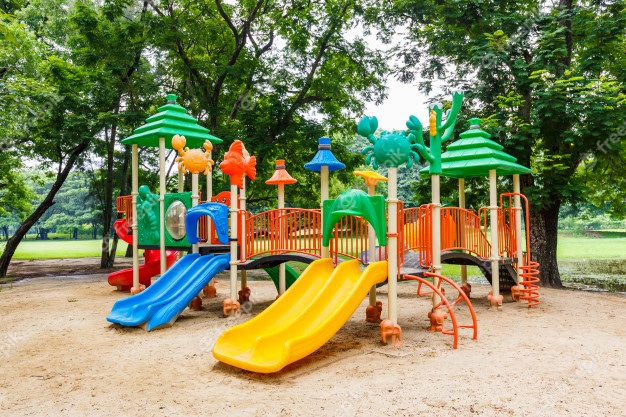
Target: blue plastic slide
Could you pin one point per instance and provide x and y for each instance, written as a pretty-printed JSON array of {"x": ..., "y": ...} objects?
[{"x": 161, "y": 303}]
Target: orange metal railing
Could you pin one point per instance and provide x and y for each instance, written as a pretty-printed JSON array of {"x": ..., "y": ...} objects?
[
  {"x": 124, "y": 204},
  {"x": 283, "y": 230},
  {"x": 460, "y": 230},
  {"x": 350, "y": 240},
  {"x": 529, "y": 276}
]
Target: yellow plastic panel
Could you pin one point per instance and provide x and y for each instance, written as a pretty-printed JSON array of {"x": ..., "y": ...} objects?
[{"x": 302, "y": 319}]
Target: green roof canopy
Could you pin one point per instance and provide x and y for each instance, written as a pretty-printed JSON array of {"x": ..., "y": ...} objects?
[
  {"x": 171, "y": 120},
  {"x": 474, "y": 155}
]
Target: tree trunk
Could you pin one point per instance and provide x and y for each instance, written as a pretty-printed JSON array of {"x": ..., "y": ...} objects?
[
  {"x": 544, "y": 236},
  {"x": 47, "y": 202},
  {"x": 5, "y": 231},
  {"x": 107, "y": 215}
]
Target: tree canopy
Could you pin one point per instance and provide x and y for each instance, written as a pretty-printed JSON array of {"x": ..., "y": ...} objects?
[{"x": 547, "y": 78}]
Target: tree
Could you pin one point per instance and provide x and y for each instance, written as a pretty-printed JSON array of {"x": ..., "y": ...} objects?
[
  {"x": 115, "y": 26},
  {"x": 539, "y": 74},
  {"x": 74, "y": 207},
  {"x": 275, "y": 74},
  {"x": 59, "y": 135}
]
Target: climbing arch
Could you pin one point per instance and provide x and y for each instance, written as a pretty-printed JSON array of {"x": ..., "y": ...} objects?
[{"x": 355, "y": 203}]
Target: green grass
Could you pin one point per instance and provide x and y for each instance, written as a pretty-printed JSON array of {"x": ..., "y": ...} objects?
[
  {"x": 55, "y": 249},
  {"x": 570, "y": 247}
]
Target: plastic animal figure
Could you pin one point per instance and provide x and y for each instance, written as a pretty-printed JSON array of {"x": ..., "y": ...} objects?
[
  {"x": 437, "y": 318},
  {"x": 495, "y": 302},
  {"x": 372, "y": 313},
  {"x": 147, "y": 215},
  {"x": 194, "y": 160},
  {"x": 391, "y": 149},
  {"x": 236, "y": 165},
  {"x": 390, "y": 330}
]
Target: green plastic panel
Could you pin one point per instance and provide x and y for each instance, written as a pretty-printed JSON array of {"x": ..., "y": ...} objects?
[{"x": 355, "y": 203}]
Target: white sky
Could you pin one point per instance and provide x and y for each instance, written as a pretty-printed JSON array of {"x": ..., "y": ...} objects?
[{"x": 403, "y": 100}]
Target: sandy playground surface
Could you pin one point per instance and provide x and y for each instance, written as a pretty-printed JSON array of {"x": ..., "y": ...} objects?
[{"x": 61, "y": 357}]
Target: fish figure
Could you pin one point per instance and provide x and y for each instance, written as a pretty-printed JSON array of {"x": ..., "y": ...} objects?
[{"x": 236, "y": 165}]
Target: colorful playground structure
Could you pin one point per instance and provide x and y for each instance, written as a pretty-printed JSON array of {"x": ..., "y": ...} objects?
[{"x": 394, "y": 243}]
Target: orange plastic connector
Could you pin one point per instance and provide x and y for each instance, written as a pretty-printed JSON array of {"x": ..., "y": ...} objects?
[
  {"x": 244, "y": 295},
  {"x": 231, "y": 307},
  {"x": 467, "y": 289},
  {"x": 196, "y": 304},
  {"x": 517, "y": 291},
  {"x": 137, "y": 290},
  {"x": 495, "y": 301},
  {"x": 372, "y": 313},
  {"x": 210, "y": 291},
  {"x": 437, "y": 318},
  {"x": 388, "y": 329}
]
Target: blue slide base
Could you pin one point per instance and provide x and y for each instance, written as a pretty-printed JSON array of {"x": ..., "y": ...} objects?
[{"x": 162, "y": 302}]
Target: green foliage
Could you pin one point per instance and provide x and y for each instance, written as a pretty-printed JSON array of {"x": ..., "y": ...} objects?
[
  {"x": 74, "y": 206},
  {"x": 277, "y": 75}
]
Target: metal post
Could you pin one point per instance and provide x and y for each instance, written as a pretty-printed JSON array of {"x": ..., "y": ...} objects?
[
  {"x": 162, "y": 203},
  {"x": 436, "y": 232},
  {"x": 324, "y": 196},
  {"x": 371, "y": 239},
  {"x": 134, "y": 225},
  {"x": 194, "y": 202},
  {"x": 242, "y": 248},
  {"x": 518, "y": 227},
  {"x": 392, "y": 244},
  {"x": 463, "y": 226},
  {"x": 233, "y": 241},
  {"x": 493, "y": 214}
]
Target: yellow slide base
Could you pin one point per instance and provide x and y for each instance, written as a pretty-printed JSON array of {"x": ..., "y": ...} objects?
[{"x": 302, "y": 319}]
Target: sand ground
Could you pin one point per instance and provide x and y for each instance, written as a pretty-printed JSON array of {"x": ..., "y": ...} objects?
[{"x": 61, "y": 357}]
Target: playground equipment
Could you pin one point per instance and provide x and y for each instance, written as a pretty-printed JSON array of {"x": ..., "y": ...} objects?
[
  {"x": 123, "y": 279},
  {"x": 394, "y": 243}
]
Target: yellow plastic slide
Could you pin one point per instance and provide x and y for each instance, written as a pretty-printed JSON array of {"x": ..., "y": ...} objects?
[{"x": 302, "y": 319}]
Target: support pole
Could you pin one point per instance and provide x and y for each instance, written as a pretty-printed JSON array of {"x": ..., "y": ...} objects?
[
  {"x": 194, "y": 202},
  {"x": 324, "y": 196},
  {"x": 463, "y": 227},
  {"x": 233, "y": 241},
  {"x": 493, "y": 215},
  {"x": 436, "y": 232},
  {"x": 242, "y": 248},
  {"x": 181, "y": 181},
  {"x": 282, "y": 283},
  {"x": 162, "y": 203},
  {"x": 134, "y": 194},
  {"x": 209, "y": 195},
  {"x": 371, "y": 239},
  {"x": 392, "y": 244},
  {"x": 518, "y": 227}
]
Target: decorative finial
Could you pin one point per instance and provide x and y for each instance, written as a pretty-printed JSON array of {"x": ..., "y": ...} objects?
[
  {"x": 171, "y": 98},
  {"x": 474, "y": 123}
]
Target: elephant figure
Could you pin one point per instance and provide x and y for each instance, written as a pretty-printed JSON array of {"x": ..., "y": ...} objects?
[
  {"x": 495, "y": 301},
  {"x": 196, "y": 304},
  {"x": 467, "y": 289},
  {"x": 210, "y": 291},
  {"x": 231, "y": 306},
  {"x": 516, "y": 292},
  {"x": 388, "y": 329},
  {"x": 437, "y": 318},
  {"x": 372, "y": 313},
  {"x": 244, "y": 295}
]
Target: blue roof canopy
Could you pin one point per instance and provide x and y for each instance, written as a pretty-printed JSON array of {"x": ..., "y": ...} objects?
[{"x": 324, "y": 157}]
